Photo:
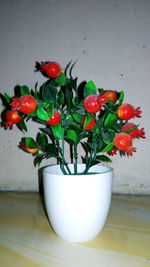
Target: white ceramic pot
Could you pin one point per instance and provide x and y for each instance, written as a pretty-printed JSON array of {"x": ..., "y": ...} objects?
[{"x": 77, "y": 205}]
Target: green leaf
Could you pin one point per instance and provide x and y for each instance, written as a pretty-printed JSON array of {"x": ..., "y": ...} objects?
[
  {"x": 49, "y": 93},
  {"x": 38, "y": 159},
  {"x": 22, "y": 126},
  {"x": 131, "y": 129},
  {"x": 69, "y": 117},
  {"x": 67, "y": 67},
  {"x": 110, "y": 103},
  {"x": 90, "y": 89},
  {"x": 117, "y": 127},
  {"x": 25, "y": 90},
  {"x": 70, "y": 72},
  {"x": 68, "y": 97},
  {"x": 42, "y": 114},
  {"x": 72, "y": 135},
  {"x": 77, "y": 117},
  {"x": 83, "y": 134},
  {"x": 60, "y": 97},
  {"x": 72, "y": 83},
  {"x": 107, "y": 137},
  {"x": 57, "y": 131},
  {"x": 81, "y": 111},
  {"x": 75, "y": 100},
  {"x": 42, "y": 139},
  {"x": 103, "y": 158},
  {"x": 121, "y": 98},
  {"x": 47, "y": 131},
  {"x": 36, "y": 93},
  {"x": 100, "y": 121},
  {"x": 86, "y": 147},
  {"x": 29, "y": 141},
  {"x": 87, "y": 119},
  {"x": 33, "y": 114},
  {"x": 50, "y": 110},
  {"x": 7, "y": 97},
  {"x": 108, "y": 147},
  {"x": 110, "y": 120},
  {"x": 61, "y": 79},
  {"x": 101, "y": 91},
  {"x": 51, "y": 151},
  {"x": 94, "y": 162},
  {"x": 43, "y": 103},
  {"x": 71, "y": 124}
]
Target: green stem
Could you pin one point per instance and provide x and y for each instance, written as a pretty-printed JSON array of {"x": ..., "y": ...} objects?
[
  {"x": 76, "y": 158},
  {"x": 63, "y": 163},
  {"x": 71, "y": 153},
  {"x": 63, "y": 148},
  {"x": 93, "y": 150}
]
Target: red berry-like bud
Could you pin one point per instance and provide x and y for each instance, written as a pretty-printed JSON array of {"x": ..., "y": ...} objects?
[
  {"x": 111, "y": 95},
  {"x": 125, "y": 112},
  {"x": 91, "y": 104},
  {"x": 12, "y": 117},
  {"x": 122, "y": 141},
  {"x": 102, "y": 99},
  {"x": 55, "y": 118},
  {"x": 51, "y": 69}
]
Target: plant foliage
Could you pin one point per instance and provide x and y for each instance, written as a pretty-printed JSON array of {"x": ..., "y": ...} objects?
[{"x": 64, "y": 95}]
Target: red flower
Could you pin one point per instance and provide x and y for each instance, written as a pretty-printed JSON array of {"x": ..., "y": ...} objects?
[
  {"x": 136, "y": 132},
  {"x": 130, "y": 151},
  {"x": 141, "y": 133},
  {"x": 112, "y": 152},
  {"x": 137, "y": 112}
]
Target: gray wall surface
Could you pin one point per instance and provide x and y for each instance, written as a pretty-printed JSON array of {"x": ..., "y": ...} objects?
[{"x": 111, "y": 42}]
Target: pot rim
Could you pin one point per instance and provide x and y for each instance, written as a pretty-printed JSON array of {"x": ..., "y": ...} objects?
[{"x": 52, "y": 169}]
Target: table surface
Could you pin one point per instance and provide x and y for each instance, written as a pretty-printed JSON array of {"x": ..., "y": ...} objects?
[{"x": 27, "y": 240}]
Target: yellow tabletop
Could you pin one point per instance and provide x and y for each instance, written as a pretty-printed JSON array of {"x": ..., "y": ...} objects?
[{"x": 27, "y": 240}]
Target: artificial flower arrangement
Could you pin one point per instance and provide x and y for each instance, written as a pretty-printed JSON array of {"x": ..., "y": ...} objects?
[{"x": 97, "y": 119}]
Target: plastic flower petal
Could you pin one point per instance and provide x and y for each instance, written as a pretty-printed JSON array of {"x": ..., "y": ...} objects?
[
  {"x": 137, "y": 112},
  {"x": 16, "y": 103},
  {"x": 8, "y": 125},
  {"x": 130, "y": 150},
  {"x": 141, "y": 133},
  {"x": 112, "y": 152}
]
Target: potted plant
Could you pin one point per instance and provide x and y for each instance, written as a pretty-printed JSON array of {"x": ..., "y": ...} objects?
[{"x": 77, "y": 196}]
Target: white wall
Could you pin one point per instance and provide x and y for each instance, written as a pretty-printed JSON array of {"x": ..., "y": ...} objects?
[{"x": 111, "y": 42}]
